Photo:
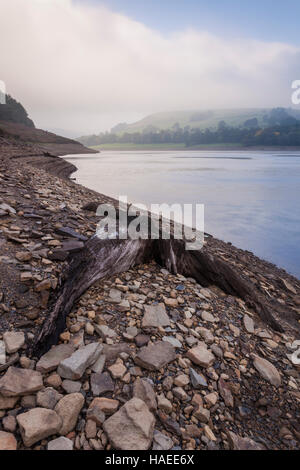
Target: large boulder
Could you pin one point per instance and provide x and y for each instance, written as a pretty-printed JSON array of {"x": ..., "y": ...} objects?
[
  {"x": 74, "y": 366},
  {"x": 68, "y": 409},
  {"x": 17, "y": 382},
  {"x": 156, "y": 356},
  {"x": 131, "y": 428},
  {"x": 51, "y": 360},
  {"x": 37, "y": 424}
]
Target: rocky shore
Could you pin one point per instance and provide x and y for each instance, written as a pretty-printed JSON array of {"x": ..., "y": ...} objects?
[{"x": 147, "y": 358}]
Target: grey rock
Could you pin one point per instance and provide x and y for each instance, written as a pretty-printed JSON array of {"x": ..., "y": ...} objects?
[
  {"x": 74, "y": 366},
  {"x": 161, "y": 441},
  {"x": 68, "y": 408},
  {"x": 99, "y": 364},
  {"x": 101, "y": 383},
  {"x": 18, "y": 382},
  {"x": 14, "y": 340},
  {"x": 143, "y": 390},
  {"x": 71, "y": 386},
  {"x": 2, "y": 353},
  {"x": 48, "y": 398},
  {"x": 37, "y": 424},
  {"x": 175, "y": 342},
  {"x": 61, "y": 443},
  {"x": 131, "y": 428},
  {"x": 51, "y": 360},
  {"x": 156, "y": 356},
  {"x": 267, "y": 370},
  {"x": 155, "y": 316},
  {"x": 248, "y": 324},
  {"x": 197, "y": 380}
]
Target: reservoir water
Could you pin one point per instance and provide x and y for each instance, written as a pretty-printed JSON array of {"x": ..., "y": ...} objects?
[{"x": 251, "y": 198}]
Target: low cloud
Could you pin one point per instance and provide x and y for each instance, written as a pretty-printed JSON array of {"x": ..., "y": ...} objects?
[{"x": 83, "y": 67}]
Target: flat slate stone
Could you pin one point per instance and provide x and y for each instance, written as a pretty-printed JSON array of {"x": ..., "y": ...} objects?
[
  {"x": 70, "y": 232},
  {"x": 61, "y": 443},
  {"x": 101, "y": 384},
  {"x": 155, "y": 316},
  {"x": 2, "y": 353},
  {"x": 74, "y": 366},
  {"x": 156, "y": 356},
  {"x": 19, "y": 382},
  {"x": 198, "y": 381},
  {"x": 51, "y": 360}
]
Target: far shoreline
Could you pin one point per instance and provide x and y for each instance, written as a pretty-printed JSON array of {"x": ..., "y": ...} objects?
[{"x": 182, "y": 147}]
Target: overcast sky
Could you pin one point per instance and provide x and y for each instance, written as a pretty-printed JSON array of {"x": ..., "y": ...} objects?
[{"x": 84, "y": 66}]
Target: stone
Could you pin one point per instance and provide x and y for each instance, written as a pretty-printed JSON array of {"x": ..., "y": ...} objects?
[
  {"x": 37, "y": 424},
  {"x": 7, "y": 441},
  {"x": 18, "y": 382},
  {"x": 266, "y": 370},
  {"x": 74, "y": 366},
  {"x": 143, "y": 390},
  {"x": 105, "y": 332},
  {"x": 14, "y": 341},
  {"x": 206, "y": 316},
  {"x": 99, "y": 364},
  {"x": 48, "y": 398},
  {"x": 211, "y": 399},
  {"x": 9, "y": 423},
  {"x": 248, "y": 324},
  {"x": 155, "y": 356},
  {"x": 51, "y": 360},
  {"x": 161, "y": 441},
  {"x": 53, "y": 380},
  {"x": 101, "y": 384},
  {"x": 2, "y": 353},
  {"x": 237, "y": 442},
  {"x": 181, "y": 380},
  {"x": 202, "y": 414},
  {"x": 90, "y": 429},
  {"x": 117, "y": 370},
  {"x": 68, "y": 409},
  {"x": 201, "y": 356},
  {"x": 209, "y": 434},
  {"x": 141, "y": 340},
  {"x": 28, "y": 401},
  {"x": 225, "y": 393},
  {"x": 174, "y": 341},
  {"x": 197, "y": 380},
  {"x": 95, "y": 412},
  {"x": 115, "y": 296},
  {"x": 113, "y": 351},
  {"x": 7, "y": 403},
  {"x": 131, "y": 428},
  {"x": 155, "y": 316},
  {"x": 61, "y": 443},
  {"x": 106, "y": 405},
  {"x": 70, "y": 386},
  {"x": 164, "y": 404}
]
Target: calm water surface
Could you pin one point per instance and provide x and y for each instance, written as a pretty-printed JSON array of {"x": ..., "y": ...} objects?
[{"x": 251, "y": 198}]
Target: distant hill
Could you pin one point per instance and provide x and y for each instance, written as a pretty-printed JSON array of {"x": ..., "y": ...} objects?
[
  {"x": 15, "y": 124},
  {"x": 187, "y": 121},
  {"x": 206, "y": 119},
  {"x": 13, "y": 111}
]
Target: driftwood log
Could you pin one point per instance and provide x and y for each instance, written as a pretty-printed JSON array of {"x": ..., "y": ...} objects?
[{"x": 104, "y": 258}]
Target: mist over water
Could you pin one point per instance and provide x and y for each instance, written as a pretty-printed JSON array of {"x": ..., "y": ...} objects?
[{"x": 251, "y": 198}]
